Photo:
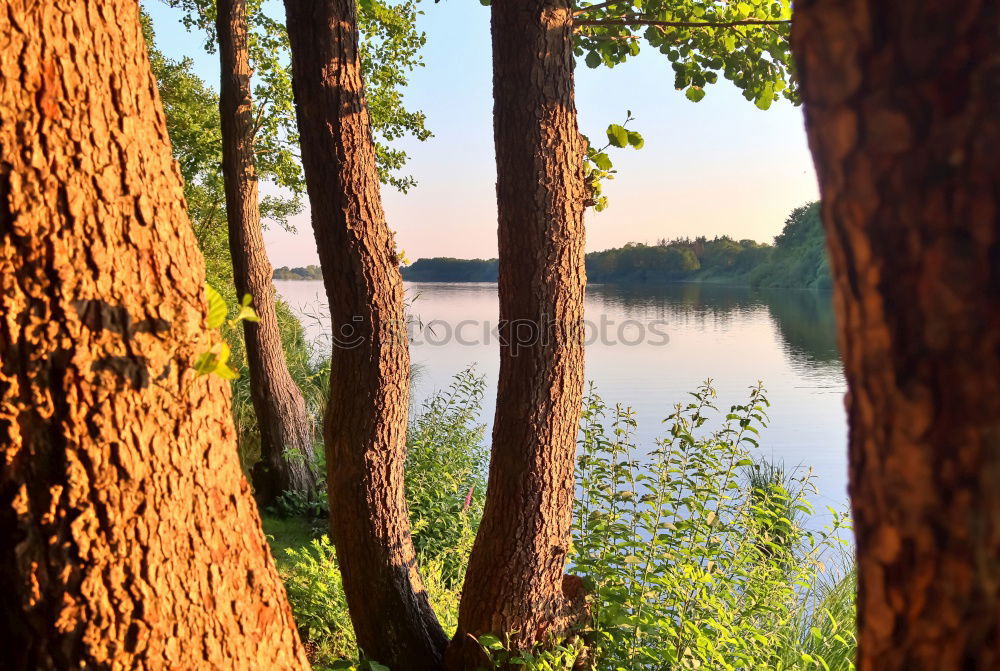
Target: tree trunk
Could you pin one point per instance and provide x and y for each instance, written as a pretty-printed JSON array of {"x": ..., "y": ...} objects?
[
  {"x": 365, "y": 425},
  {"x": 286, "y": 449},
  {"x": 128, "y": 535},
  {"x": 515, "y": 579},
  {"x": 903, "y": 116}
]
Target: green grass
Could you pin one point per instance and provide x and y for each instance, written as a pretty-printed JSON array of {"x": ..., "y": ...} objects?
[{"x": 286, "y": 532}]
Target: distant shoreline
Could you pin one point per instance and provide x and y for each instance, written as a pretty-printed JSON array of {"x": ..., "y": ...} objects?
[{"x": 796, "y": 260}]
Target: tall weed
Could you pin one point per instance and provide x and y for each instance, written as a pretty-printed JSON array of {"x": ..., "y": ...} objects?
[{"x": 696, "y": 559}]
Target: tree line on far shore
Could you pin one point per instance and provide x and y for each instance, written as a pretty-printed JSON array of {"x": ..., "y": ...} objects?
[
  {"x": 797, "y": 259},
  {"x": 298, "y": 273}
]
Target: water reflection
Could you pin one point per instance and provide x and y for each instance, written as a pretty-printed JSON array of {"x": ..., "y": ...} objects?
[{"x": 733, "y": 335}]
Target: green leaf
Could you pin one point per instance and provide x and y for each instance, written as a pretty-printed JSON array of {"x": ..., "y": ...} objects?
[
  {"x": 593, "y": 59},
  {"x": 694, "y": 93},
  {"x": 215, "y": 361},
  {"x": 217, "y": 309},
  {"x": 617, "y": 135},
  {"x": 246, "y": 312},
  {"x": 602, "y": 161},
  {"x": 635, "y": 140},
  {"x": 225, "y": 372},
  {"x": 490, "y": 642},
  {"x": 766, "y": 96},
  {"x": 204, "y": 363}
]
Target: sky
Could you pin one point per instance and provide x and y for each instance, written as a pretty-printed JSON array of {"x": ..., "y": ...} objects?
[{"x": 720, "y": 166}]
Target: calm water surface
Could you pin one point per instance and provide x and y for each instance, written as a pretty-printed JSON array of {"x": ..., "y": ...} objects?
[{"x": 734, "y": 336}]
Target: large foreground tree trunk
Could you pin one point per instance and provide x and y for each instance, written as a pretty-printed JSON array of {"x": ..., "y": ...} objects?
[
  {"x": 128, "y": 536},
  {"x": 515, "y": 578},
  {"x": 286, "y": 449},
  {"x": 365, "y": 425},
  {"x": 903, "y": 113}
]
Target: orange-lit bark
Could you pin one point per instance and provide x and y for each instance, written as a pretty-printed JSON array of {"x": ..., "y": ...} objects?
[{"x": 128, "y": 535}]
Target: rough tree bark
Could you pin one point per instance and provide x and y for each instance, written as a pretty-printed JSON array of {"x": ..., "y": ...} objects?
[
  {"x": 286, "y": 449},
  {"x": 365, "y": 424},
  {"x": 902, "y": 101},
  {"x": 515, "y": 582},
  {"x": 128, "y": 535}
]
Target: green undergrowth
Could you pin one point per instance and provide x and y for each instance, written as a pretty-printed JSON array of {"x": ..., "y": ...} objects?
[{"x": 697, "y": 553}]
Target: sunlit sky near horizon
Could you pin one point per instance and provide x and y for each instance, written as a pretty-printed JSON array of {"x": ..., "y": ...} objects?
[{"x": 720, "y": 166}]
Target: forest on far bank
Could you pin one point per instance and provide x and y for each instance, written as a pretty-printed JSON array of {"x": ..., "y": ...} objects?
[
  {"x": 797, "y": 259},
  {"x": 298, "y": 273}
]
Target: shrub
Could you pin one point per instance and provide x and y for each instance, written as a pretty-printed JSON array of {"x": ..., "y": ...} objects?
[
  {"x": 695, "y": 555},
  {"x": 316, "y": 594},
  {"x": 446, "y": 466},
  {"x": 446, "y": 460}
]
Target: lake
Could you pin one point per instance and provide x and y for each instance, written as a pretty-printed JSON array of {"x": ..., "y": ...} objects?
[{"x": 648, "y": 347}]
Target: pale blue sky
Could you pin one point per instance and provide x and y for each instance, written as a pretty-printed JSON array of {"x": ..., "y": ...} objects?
[{"x": 716, "y": 167}]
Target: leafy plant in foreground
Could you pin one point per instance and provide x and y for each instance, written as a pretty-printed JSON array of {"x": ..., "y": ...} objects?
[
  {"x": 445, "y": 473},
  {"x": 216, "y": 360},
  {"x": 316, "y": 594},
  {"x": 696, "y": 553},
  {"x": 690, "y": 565},
  {"x": 556, "y": 657}
]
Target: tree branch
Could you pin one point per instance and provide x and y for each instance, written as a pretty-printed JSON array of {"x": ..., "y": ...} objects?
[
  {"x": 639, "y": 21},
  {"x": 600, "y": 5}
]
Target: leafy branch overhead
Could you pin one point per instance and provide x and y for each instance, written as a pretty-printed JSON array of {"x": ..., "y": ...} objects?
[
  {"x": 597, "y": 164},
  {"x": 389, "y": 51},
  {"x": 746, "y": 42}
]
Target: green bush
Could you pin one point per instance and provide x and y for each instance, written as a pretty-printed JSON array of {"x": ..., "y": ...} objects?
[
  {"x": 695, "y": 553},
  {"x": 446, "y": 465},
  {"x": 446, "y": 460},
  {"x": 316, "y": 594},
  {"x": 696, "y": 558}
]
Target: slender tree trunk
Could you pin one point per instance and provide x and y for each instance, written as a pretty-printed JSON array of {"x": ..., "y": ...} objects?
[
  {"x": 515, "y": 578},
  {"x": 286, "y": 449},
  {"x": 903, "y": 114},
  {"x": 365, "y": 425},
  {"x": 128, "y": 535}
]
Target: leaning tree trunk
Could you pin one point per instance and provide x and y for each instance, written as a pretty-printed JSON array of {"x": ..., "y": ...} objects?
[
  {"x": 365, "y": 425},
  {"x": 515, "y": 582},
  {"x": 128, "y": 536},
  {"x": 903, "y": 114},
  {"x": 286, "y": 451}
]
